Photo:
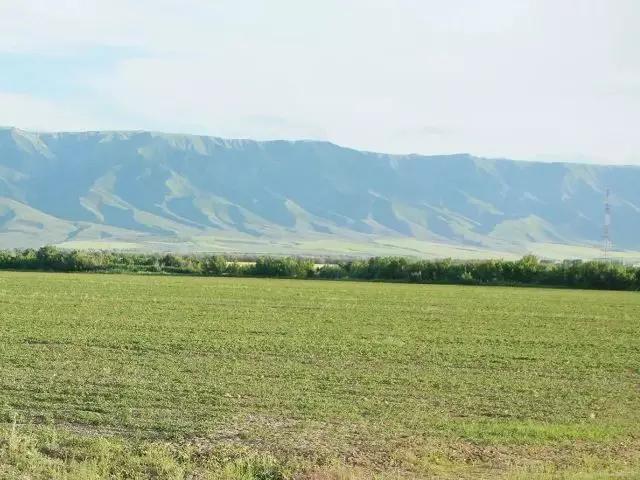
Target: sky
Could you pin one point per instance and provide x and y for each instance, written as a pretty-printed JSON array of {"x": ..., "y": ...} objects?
[{"x": 525, "y": 79}]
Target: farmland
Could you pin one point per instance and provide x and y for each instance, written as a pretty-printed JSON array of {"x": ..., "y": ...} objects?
[{"x": 130, "y": 376}]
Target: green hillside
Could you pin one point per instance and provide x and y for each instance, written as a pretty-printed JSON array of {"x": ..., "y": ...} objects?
[{"x": 147, "y": 190}]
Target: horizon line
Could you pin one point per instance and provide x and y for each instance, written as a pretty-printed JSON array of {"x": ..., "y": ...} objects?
[{"x": 310, "y": 140}]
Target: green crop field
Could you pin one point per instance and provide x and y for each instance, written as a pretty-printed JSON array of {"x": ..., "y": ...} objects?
[{"x": 118, "y": 376}]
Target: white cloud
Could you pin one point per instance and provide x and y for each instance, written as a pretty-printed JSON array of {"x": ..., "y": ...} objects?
[
  {"x": 67, "y": 26},
  {"x": 26, "y": 110},
  {"x": 529, "y": 79},
  {"x": 41, "y": 114}
]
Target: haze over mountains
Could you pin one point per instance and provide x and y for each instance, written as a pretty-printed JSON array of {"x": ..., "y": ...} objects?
[{"x": 151, "y": 190}]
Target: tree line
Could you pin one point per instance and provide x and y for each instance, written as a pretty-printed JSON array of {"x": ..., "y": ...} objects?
[{"x": 529, "y": 270}]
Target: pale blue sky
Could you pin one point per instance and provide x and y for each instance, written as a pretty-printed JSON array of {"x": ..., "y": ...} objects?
[{"x": 531, "y": 79}]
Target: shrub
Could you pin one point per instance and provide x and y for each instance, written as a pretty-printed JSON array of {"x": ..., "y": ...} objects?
[{"x": 527, "y": 271}]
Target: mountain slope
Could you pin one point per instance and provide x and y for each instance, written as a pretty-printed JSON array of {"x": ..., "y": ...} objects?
[{"x": 145, "y": 188}]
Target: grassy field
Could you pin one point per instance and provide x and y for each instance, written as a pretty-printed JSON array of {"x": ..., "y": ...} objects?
[{"x": 113, "y": 376}]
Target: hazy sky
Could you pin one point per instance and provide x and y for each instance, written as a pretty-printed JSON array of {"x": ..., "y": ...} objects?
[{"x": 530, "y": 79}]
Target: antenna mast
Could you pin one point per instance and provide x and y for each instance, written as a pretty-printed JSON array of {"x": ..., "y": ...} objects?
[{"x": 607, "y": 228}]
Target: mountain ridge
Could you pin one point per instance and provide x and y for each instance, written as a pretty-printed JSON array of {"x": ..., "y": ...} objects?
[
  {"x": 240, "y": 140},
  {"x": 149, "y": 188}
]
